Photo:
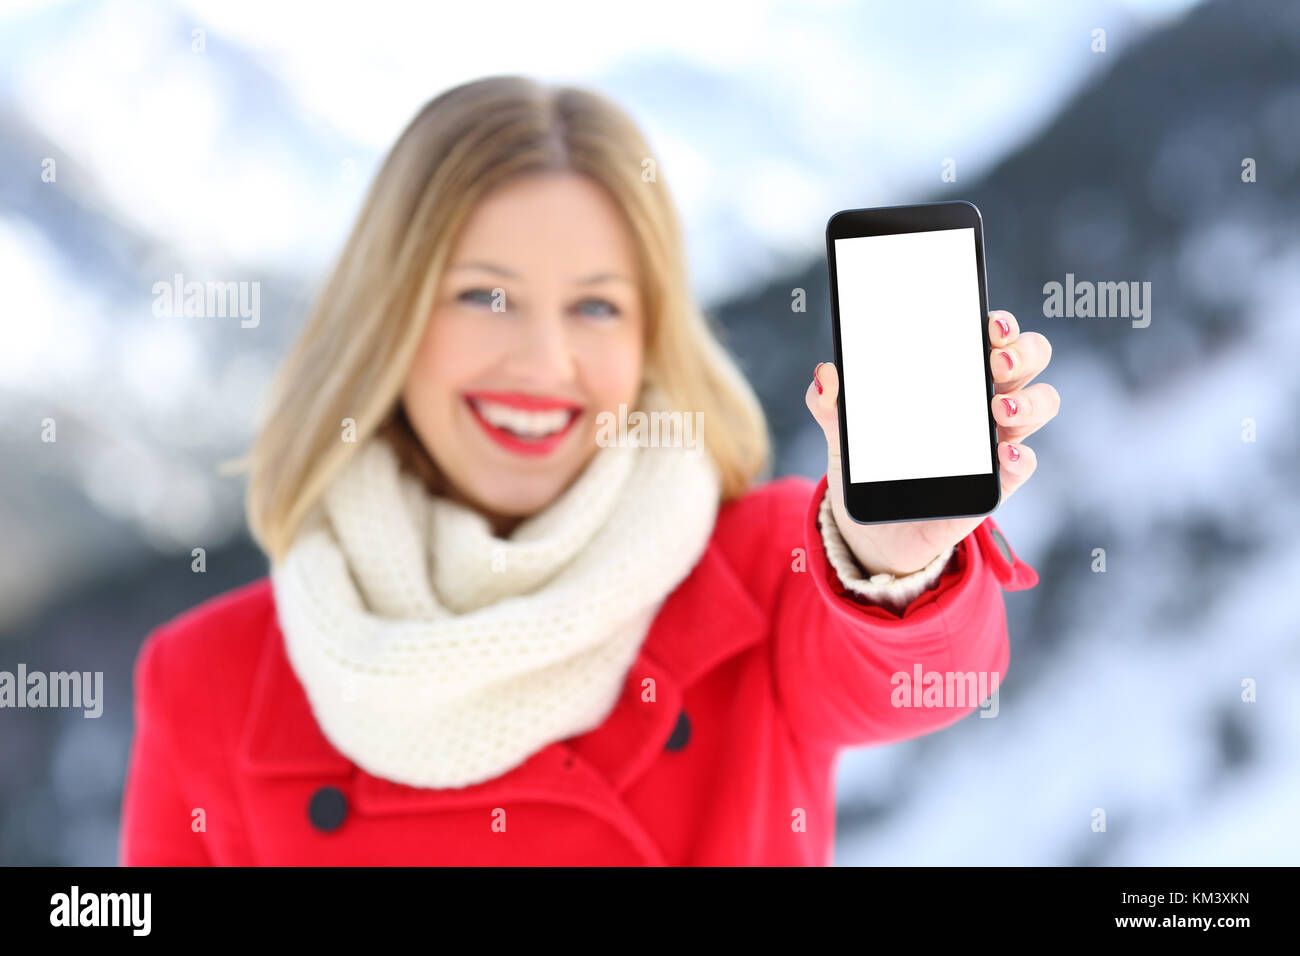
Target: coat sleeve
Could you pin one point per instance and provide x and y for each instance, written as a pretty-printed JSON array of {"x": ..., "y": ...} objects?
[
  {"x": 156, "y": 814},
  {"x": 850, "y": 673}
]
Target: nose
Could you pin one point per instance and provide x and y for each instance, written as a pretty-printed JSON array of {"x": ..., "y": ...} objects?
[{"x": 543, "y": 351}]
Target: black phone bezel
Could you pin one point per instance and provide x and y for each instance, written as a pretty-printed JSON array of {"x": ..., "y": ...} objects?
[{"x": 914, "y": 499}]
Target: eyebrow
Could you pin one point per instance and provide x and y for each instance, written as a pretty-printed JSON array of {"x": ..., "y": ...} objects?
[{"x": 509, "y": 274}]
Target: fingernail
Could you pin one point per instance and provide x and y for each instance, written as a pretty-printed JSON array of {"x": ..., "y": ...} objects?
[
  {"x": 1010, "y": 362},
  {"x": 1013, "y": 452},
  {"x": 1003, "y": 326},
  {"x": 817, "y": 381},
  {"x": 1010, "y": 405}
]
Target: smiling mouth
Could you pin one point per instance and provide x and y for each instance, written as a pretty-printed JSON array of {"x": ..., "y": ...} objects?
[{"x": 523, "y": 424}]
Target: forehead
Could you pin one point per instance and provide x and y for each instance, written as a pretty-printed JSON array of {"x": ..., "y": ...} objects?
[{"x": 548, "y": 224}]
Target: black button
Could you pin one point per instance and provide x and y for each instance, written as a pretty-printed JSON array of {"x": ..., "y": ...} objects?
[
  {"x": 681, "y": 733},
  {"x": 1001, "y": 542},
  {"x": 327, "y": 809}
]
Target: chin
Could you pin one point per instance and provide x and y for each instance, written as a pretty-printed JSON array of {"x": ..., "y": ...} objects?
[{"x": 519, "y": 497}]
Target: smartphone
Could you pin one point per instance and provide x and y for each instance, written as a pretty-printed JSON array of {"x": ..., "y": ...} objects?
[{"x": 909, "y": 315}]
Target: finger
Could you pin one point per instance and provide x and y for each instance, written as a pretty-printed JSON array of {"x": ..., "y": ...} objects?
[
  {"x": 822, "y": 398},
  {"x": 1022, "y": 412},
  {"x": 1016, "y": 463},
  {"x": 1016, "y": 364},
  {"x": 823, "y": 403},
  {"x": 1003, "y": 328}
]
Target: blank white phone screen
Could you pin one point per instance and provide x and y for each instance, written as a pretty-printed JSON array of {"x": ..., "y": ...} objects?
[{"x": 912, "y": 351}]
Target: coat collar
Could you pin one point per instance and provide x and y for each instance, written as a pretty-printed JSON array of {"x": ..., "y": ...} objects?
[{"x": 708, "y": 618}]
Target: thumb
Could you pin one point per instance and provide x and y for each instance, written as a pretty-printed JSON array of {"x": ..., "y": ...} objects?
[{"x": 823, "y": 402}]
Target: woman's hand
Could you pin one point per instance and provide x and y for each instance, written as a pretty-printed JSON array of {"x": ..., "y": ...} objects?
[{"x": 905, "y": 547}]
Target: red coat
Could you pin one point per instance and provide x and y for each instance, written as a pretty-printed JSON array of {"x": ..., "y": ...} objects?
[{"x": 763, "y": 672}]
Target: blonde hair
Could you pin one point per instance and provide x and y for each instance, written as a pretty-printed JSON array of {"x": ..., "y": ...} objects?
[{"x": 352, "y": 355}]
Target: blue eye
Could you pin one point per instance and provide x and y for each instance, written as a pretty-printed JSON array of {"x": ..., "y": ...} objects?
[
  {"x": 484, "y": 297},
  {"x": 612, "y": 309}
]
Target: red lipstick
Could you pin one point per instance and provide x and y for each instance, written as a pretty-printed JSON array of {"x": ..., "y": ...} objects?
[{"x": 522, "y": 444}]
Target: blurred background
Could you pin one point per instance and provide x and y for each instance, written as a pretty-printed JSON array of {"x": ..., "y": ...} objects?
[{"x": 234, "y": 140}]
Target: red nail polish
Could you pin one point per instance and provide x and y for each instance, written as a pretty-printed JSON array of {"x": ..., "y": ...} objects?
[
  {"x": 1010, "y": 363},
  {"x": 1003, "y": 326},
  {"x": 817, "y": 381},
  {"x": 1013, "y": 452},
  {"x": 1010, "y": 405}
]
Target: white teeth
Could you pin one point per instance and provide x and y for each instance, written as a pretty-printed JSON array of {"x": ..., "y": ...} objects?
[{"x": 522, "y": 423}]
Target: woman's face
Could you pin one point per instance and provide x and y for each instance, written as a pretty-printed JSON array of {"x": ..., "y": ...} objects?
[{"x": 537, "y": 328}]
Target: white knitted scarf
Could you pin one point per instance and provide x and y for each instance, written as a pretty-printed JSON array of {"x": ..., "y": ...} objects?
[{"x": 437, "y": 655}]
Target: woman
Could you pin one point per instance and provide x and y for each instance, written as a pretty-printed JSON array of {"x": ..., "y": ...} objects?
[{"x": 500, "y": 625}]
